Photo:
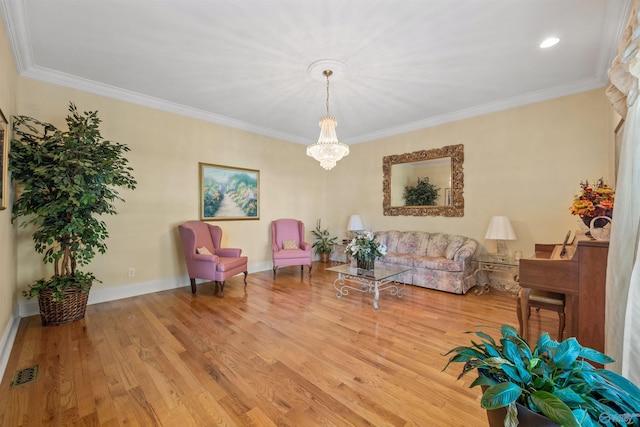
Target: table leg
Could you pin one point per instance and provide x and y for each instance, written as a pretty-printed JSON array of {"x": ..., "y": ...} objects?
[
  {"x": 484, "y": 286},
  {"x": 376, "y": 295}
]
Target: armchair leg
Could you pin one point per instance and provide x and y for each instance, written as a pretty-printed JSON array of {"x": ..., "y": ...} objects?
[
  {"x": 245, "y": 279},
  {"x": 221, "y": 295},
  {"x": 193, "y": 285},
  {"x": 274, "y": 272},
  {"x": 310, "y": 267}
]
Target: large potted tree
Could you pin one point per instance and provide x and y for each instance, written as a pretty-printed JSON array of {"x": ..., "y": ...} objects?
[{"x": 66, "y": 180}]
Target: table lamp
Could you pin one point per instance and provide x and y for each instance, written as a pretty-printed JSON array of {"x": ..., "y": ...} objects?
[
  {"x": 355, "y": 224},
  {"x": 500, "y": 229}
]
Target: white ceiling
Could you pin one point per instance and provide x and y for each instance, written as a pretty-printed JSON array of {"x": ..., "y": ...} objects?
[{"x": 410, "y": 64}]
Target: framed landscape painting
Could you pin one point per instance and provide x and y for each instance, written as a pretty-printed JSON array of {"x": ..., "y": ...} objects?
[
  {"x": 4, "y": 161},
  {"x": 228, "y": 193}
]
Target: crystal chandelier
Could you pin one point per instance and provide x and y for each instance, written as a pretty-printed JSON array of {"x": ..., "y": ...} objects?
[{"x": 328, "y": 150}]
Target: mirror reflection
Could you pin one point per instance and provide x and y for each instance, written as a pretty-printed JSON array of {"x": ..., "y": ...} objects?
[{"x": 426, "y": 182}]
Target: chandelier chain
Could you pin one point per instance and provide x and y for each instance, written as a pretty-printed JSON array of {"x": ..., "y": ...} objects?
[{"x": 327, "y": 73}]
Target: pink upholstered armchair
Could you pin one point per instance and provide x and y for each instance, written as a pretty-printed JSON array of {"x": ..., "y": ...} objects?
[
  {"x": 288, "y": 245},
  {"x": 206, "y": 259}
]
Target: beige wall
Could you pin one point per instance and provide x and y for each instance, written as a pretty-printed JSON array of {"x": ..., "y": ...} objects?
[
  {"x": 165, "y": 151},
  {"x": 525, "y": 163},
  {"x": 8, "y": 79}
]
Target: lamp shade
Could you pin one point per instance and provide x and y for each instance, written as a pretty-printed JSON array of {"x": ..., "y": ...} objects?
[
  {"x": 355, "y": 223},
  {"x": 500, "y": 229}
]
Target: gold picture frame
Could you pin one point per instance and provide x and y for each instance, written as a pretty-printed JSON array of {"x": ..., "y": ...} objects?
[
  {"x": 454, "y": 208},
  {"x": 228, "y": 193},
  {"x": 4, "y": 161}
]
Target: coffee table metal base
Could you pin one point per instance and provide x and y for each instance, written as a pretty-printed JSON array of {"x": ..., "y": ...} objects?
[{"x": 344, "y": 282}]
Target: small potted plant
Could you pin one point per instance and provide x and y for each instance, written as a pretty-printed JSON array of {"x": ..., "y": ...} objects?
[
  {"x": 323, "y": 244},
  {"x": 66, "y": 181},
  {"x": 553, "y": 379}
]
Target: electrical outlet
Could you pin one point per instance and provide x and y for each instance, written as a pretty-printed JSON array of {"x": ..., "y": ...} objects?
[{"x": 132, "y": 272}]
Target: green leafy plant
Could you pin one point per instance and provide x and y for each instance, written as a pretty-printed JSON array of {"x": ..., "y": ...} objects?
[
  {"x": 66, "y": 181},
  {"x": 554, "y": 379},
  {"x": 423, "y": 193},
  {"x": 323, "y": 243}
]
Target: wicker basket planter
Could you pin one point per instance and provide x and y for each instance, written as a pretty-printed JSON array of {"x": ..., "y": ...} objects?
[{"x": 72, "y": 308}]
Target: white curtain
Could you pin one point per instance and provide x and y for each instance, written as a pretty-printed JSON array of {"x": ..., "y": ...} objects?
[{"x": 623, "y": 270}]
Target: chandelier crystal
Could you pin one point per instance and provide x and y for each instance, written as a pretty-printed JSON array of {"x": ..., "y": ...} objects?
[{"x": 328, "y": 150}]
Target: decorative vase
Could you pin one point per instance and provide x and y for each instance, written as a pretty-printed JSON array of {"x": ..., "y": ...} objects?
[
  {"x": 600, "y": 222},
  {"x": 526, "y": 418},
  {"x": 365, "y": 264},
  {"x": 600, "y": 232},
  {"x": 324, "y": 257}
]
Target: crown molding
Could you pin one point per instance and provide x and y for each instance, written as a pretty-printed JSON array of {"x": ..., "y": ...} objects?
[
  {"x": 504, "y": 104},
  {"x": 74, "y": 82},
  {"x": 15, "y": 22}
]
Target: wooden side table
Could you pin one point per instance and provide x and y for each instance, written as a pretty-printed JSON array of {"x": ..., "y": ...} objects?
[{"x": 487, "y": 264}]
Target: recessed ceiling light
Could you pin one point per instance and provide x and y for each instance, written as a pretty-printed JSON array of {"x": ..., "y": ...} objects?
[{"x": 548, "y": 42}]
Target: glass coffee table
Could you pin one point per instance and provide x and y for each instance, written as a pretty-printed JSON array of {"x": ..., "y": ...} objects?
[{"x": 373, "y": 281}]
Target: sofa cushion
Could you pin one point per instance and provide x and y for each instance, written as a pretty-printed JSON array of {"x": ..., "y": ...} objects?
[
  {"x": 455, "y": 243},
  {"x": 399, "y": 259},
  {"x": 438, "y": 243},
  {"x": 409, "y": 243},
  {"x": 437, "y": 263}
]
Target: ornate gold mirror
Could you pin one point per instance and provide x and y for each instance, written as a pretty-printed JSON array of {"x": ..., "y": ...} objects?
[{"x": 441, "y": 168}]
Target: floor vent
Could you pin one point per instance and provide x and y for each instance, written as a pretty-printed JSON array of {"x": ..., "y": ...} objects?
[{"x": 24, "y": 376}]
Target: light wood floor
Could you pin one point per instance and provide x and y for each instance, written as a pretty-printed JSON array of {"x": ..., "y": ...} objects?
[{"x": 285, "y": 352}]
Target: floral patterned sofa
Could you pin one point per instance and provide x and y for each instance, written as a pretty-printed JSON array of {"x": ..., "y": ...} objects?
[{"x": 437, "y": 260}]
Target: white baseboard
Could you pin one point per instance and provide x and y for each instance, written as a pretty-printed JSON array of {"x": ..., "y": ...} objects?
[
  {"x": 96, "y": 296},
  {"x": 30, "y": 308},
  {"x": 7, "y": 342}
]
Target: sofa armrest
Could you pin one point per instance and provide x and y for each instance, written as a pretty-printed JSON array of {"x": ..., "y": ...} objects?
[
  {"x": 466, "y": 251},
  {"x": 229, "y": 252}
]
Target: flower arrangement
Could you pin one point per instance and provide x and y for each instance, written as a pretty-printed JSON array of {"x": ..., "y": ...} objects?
[
  {"x": 365, "y": 247},
  {"x": 593, "y": 201}
]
